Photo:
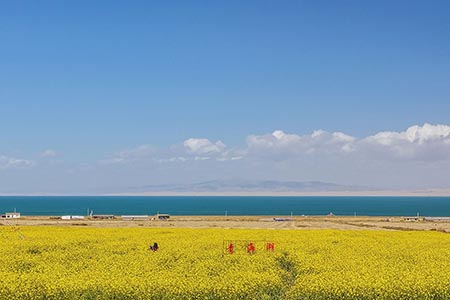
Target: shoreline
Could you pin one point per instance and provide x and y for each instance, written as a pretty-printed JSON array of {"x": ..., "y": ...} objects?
[
  {"x": 375, "y": 193},
  {"x": 362, "y": 193},
  {"x": 245, "y": 222}
]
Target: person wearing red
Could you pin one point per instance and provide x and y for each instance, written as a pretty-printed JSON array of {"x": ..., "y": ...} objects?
[
  {"x": 251, "y": 248},
  {"x": 230, "y": 248}
]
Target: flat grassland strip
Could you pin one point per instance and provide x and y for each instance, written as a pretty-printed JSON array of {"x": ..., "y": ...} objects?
[{"x": 243, "y": 222}]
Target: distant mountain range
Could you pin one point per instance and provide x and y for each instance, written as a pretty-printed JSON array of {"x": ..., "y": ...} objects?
[{"x": 248, "y": 186}]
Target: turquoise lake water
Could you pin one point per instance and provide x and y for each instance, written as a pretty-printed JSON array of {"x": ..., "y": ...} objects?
[{"x": 205, "y": 205}]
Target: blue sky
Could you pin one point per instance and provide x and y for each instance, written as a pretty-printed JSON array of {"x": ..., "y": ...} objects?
[{"x": 90, "y": 79}]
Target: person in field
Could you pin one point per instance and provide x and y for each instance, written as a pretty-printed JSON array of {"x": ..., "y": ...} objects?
[
  {"x": 250, "y": 248},
  {"x": 230, "y": 248},
  {"x": 154, "y": 248}
]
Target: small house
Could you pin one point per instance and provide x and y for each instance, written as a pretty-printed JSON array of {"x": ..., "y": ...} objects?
[
  {"x": 162, "y": 217},
  {"x": 413, "y": 219},
  {"x": 72, "y": 217},
  {"x": 12, "y": 215},
  {"x": 103, "y": 217}
]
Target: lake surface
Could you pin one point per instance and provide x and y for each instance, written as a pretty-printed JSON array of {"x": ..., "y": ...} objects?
[{"x": 237, "y": 205}]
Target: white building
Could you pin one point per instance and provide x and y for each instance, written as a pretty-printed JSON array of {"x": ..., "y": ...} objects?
[
  {"x": 12, "y": 215},
  {"x": 72, "y": 217}
]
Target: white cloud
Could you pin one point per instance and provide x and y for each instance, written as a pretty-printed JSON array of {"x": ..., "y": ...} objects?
[
  {"x": 414, "y": 134},
  {"x": 203, "y": 146},
  {"x": 276, "y": 140},
  {"x": 49, "y": 153},
  {"x": 421, "y": 143},
  {"x": 342, "y": 137},
  {"x": 14, "y": 163},
  {"x": 280, "y": 142}
]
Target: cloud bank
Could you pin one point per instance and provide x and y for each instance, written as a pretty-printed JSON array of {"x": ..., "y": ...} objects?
[
  {"x": 418, "y": 157},
  {"x": 421, "y": 143},
  {"x": 386, "y": 159},
  {"x": 284, "y": 145},
  {"x": 427, "y": 143}
]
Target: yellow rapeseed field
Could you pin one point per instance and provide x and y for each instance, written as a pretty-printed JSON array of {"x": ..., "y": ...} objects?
[{"x": 115, "y": 263}]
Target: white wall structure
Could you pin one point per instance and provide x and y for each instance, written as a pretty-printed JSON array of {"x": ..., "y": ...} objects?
[{"x": 12, "y": 215}]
